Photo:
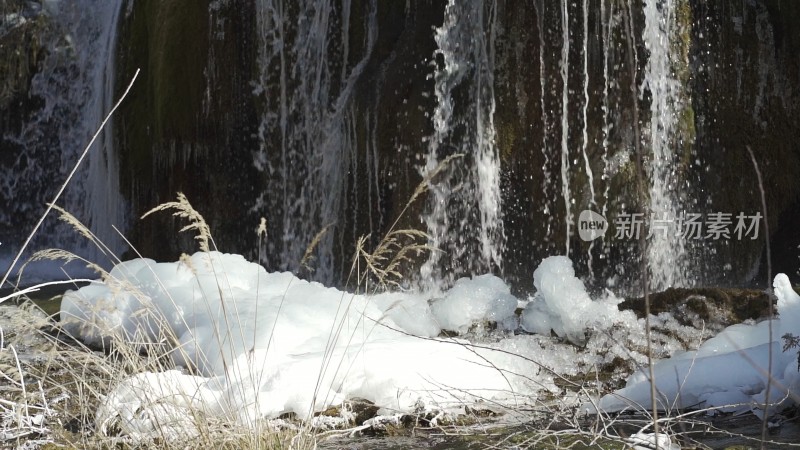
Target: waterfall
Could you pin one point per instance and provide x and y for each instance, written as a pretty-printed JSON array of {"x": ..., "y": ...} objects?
[
  {"x": 666, "y": 252},
  {"x": 75, "y": 88},
  {"x": 606, "y": 27},
  {"x": 307, "y": 130},
  {"x": 539, "y": 8},
  {"x": 565, "y": 162},
  {"x": 326, "y": 114},
  {"x": 464, "y": 215},
  {"x": 585, "y": 120}
]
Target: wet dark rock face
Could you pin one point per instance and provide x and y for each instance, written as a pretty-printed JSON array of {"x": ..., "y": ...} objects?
[
  {"x": 217, "y": 118},
  {"x": 712, "y": 308},
  {"x": 24, "y": 37}
]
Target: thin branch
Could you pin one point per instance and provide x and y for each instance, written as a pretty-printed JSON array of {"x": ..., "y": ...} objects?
[{"x": 765, "y": 420}]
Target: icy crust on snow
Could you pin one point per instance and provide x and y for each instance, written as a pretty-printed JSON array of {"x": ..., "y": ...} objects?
[
  {"x": 728, "y": 373},
  {"x": 270, "y": 343}
]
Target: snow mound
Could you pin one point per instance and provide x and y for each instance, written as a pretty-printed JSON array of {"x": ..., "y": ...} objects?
[
  {"x": 269, "y": 343},
  {"x": 489, "y": 297},
  {"x": 249, "y": 345},
  {"x": 728, "y": 373},
  {"x": 561, "y": 304}
]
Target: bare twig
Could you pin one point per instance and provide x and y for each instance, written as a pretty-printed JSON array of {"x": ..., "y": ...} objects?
[{"x": 769, "y": 280}]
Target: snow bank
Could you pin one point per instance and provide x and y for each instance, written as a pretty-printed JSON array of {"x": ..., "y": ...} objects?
[
  {"x": 270, "y": 343},
  {"x": 727, "y": 373},
  {"x": 262, "y": 344}
]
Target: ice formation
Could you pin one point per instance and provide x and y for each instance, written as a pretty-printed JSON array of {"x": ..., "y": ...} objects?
[
  {"x": 489, "y": 299},
  {"x": 728, "y": 373},
  {"x": 645, "y": 441},
  {"x": 562, "y": 304}
]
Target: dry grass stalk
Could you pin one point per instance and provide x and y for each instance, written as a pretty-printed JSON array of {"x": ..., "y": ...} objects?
[
  {"x": 397, "y": 246},
  {"x": 425, "y": 184},
  {"x": 184, "y": 210},
  {"x": 76, "y": 224},
  {"x": 308, "y": 256}
]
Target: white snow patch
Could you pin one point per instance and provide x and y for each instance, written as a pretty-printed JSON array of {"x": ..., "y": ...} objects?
[
  {"x": 262, "y": 344},
  {"x": 270, "y": 343},
  {"x": 729, "y": 372}
]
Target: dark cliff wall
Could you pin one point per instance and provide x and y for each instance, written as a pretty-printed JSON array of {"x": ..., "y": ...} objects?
[{"x": 191, "y": 124}]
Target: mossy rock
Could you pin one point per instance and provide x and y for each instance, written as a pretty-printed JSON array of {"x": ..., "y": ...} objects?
[
  {"x": 363, "y": 409},
  {"x": 720, "y": 306}
]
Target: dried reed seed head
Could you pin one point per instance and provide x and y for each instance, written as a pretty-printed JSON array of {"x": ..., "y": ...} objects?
[
  {"x": 67, "y": 217},
  {"x": 53, "y": 254},
  {"x": 184, "y": 210},
  {"x": 394, "y": 249},
  {"x": 97, "y": 269},
  {"x": 262, "y": 227},
  {"x": 423, "y": 186},
  {"x": 186, "y": 260},
  {"x": 50, "y": 254},
  {"x": 308, "y": 256}
]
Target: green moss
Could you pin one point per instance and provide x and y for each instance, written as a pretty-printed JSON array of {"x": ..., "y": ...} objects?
[
  {"x": 178, "y": 54},
  {"x": 688, "y": 133},
  {"x": 725, "y": 306},
  {"x": 21, "y": 51},
  {"x": 506, "y": 135},
  {"x": 168, "y": 41}
]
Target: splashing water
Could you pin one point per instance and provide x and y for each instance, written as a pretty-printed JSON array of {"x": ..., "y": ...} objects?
[
  {"x": 666, "y": 253},
  {"x": 464, "y": 218}
]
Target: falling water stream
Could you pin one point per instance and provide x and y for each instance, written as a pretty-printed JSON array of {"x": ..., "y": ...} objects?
[
  {"x": 464, "y": 218},
  {"x": 666, "y": 253},
  {"x": 76, "y": 89},
  {"x": 308, "y": 98}
]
